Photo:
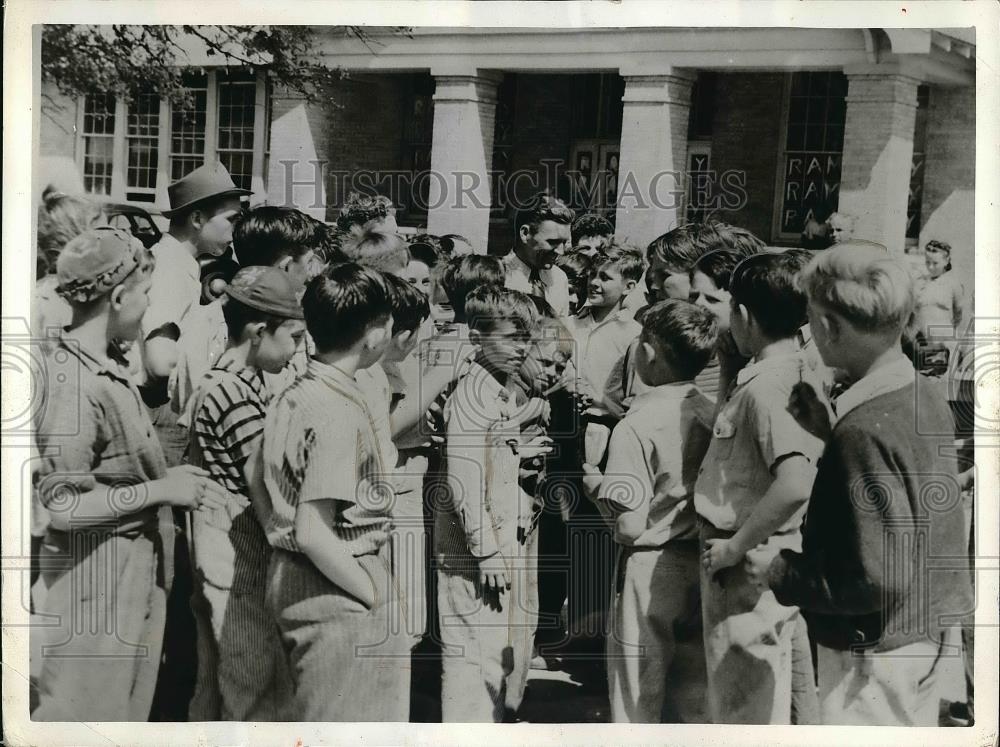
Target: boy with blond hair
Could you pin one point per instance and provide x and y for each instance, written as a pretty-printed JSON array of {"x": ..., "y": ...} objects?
[{"x": 877, "y": 615}]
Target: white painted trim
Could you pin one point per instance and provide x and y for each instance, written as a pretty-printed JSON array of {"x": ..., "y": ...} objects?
[
  {"x": 257, "y": 183},
  {"x": 211, "y": 117},
  {"x": 163, "y": 156},
  {"x": 119, "y": 160}
]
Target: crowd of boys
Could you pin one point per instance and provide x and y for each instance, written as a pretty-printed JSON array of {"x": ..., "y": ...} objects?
[{"x": 710, "y": 459}]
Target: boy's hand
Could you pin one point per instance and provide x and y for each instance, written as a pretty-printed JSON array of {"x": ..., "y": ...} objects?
[
  {"x": 719, "y": 554},
  {"x": 812, "y": 413},
  {"x": 493, "y": 579},
  {"x": 187, "y": 486},
  {"x": 536, "y": 447}
]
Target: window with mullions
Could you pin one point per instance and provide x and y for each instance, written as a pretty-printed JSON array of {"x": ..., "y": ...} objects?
[
  {"x": 814, "y": 144},
  {"x": 187, "y": 129},
  {"x": 141, "y": 143},
  {"x": 916, "y": 196},
  {"x": 237, "y": 101},
  {"x": 98, "y": 143}
]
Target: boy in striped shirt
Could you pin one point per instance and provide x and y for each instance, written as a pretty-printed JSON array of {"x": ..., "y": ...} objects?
[{"x": 242, "y": 674}]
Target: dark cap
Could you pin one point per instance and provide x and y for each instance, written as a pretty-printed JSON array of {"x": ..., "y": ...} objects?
[{"x": 267, "y": 289}]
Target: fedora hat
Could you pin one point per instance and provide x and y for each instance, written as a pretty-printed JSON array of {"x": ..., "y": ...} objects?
[{"x": 204, "y": 183}]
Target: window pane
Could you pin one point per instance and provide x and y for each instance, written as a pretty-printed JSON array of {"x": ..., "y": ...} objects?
[
  {"x": 235, "y": 135},
  {"x": 142, "y": 141},
  {"x": 187, "y": 134},
  {"x": 98, "y": 143}
]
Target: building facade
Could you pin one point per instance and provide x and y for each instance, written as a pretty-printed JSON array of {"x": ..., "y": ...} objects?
[{"x": 762, "y": 127}]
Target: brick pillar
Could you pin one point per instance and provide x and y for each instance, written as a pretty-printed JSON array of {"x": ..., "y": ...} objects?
[
  {"x": 878, "y": 152},
  {"x": 949, "y": 201},
  {"x": 653, "y": 155},
  {"x": 462, "y": 155}
]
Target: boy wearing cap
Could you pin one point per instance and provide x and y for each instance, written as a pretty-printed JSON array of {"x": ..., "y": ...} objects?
[
  {"x": 203, "y": 207},
  {"x": 107, "y": 491},
  {"x": 242, "y": 672}
]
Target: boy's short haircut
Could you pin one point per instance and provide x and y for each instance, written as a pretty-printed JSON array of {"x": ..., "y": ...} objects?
[
  {"x": 684, "y": 332},
  {"x": 238, "y": 315},
  {"x": 408, "y": 303},
  {"x": 577, "y": 266},
  {"x": 269, "y": 233},
  {"x": 489, "y": 305},
  {"x": 377, "y": 250},
  {"x": 450, "y": 240},
  {"x": 421, "y": 251},
  {"x": 873, "y": 292},
  {"x": 342, "y": 303},
  {"x": 360, "y": 209},
  {"x": 798, "y": 258},
  {"x": 718, "y": 266},
  {"x": 590, "y": 224},
  {"x": 540, "y": 208},
  {"x": 462, "y": 274},
  {"x": 766, "y": 285},
  {"x": 680, "y": 248},
  {"x": 330, "y": 250},
  {"x": 628, "y": 263}
]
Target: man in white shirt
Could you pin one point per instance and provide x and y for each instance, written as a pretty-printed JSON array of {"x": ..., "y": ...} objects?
[
  {"x": 203, "y": 207},
  {"x": 542, "y": 234}
]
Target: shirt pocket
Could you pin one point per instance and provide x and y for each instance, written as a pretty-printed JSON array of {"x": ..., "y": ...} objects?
[{"x": 723, "y": 437}]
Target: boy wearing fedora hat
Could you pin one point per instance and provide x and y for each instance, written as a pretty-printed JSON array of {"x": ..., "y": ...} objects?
[
  {"x": 242, "y": 670},
  {"x": 107, "y": 492},
  {"x": 203, "y": 207}
]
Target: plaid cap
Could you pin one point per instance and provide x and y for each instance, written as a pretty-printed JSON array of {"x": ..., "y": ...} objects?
[
  {"x": 96, "y": 261},
  {"x": 267, "y": 289}
]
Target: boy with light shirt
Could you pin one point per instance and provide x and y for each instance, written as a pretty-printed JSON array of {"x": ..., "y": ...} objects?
[
  {"x": 107, "y": 491},
  {"x": 656, "y": 655},
  {"x": 475, "y": 532},
  {"x": 750, "y": 496},
  {"x": 319, "y": 490},
  {"x": 881, "y": 636}
]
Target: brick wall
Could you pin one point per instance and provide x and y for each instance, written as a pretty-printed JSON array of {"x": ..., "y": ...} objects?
[
  {"x": 357, "y": 126},
  {"x": 948, "y": 209},
  {"x": 745, "y": 132}
]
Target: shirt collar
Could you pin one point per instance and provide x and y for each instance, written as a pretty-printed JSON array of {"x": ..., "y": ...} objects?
[
  {"x": 114, "y": 365},
  {"x": 884, "y": 379},
  {"x": 514, "y": 262},
  {"x": 674, "y": 391},
  {"x": 755, "y": 368},
  {"x": 176, "y": 253},
  {"x": 332, "y": 375},
  {"x": 622, "y": 313}
]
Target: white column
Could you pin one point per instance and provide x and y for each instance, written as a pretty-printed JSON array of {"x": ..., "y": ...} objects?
[
  {"x": 651, "y": 180},
  {"x": 878, "y": 154},
  {"x": 462, "y": 155}
]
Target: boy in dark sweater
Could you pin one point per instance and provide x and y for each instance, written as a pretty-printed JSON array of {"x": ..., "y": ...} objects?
[{"x": 885, "y": 512}]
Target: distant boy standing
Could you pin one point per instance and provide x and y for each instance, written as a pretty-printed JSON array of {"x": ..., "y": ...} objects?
[
  {"x": 751, "y": 495},
  {"x": 884, "y": 506},
  {"x": 656, "y": 656}
]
